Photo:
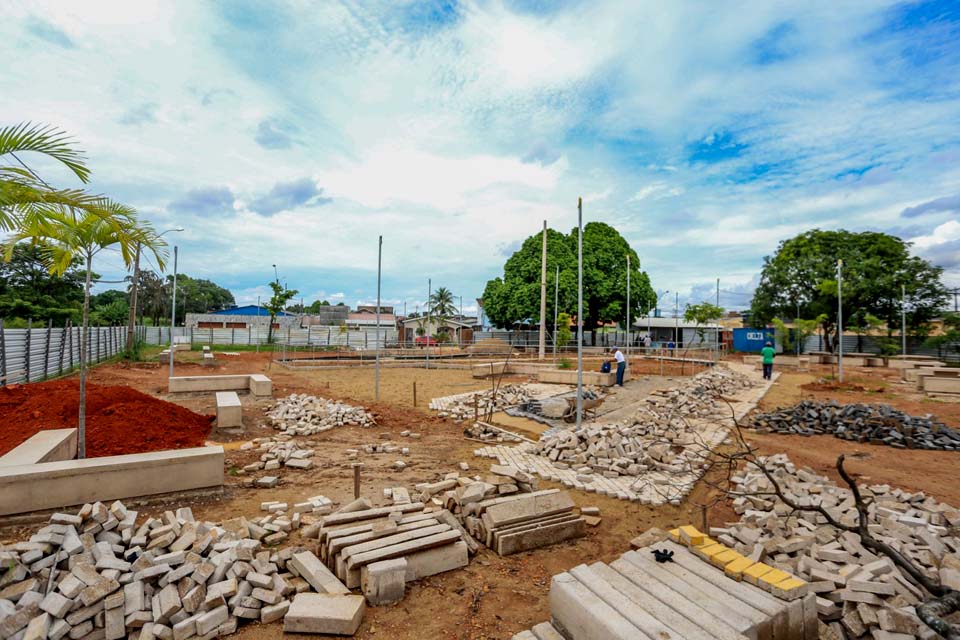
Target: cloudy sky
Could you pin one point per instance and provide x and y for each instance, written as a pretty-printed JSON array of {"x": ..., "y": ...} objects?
[{"x": 294, "y": 133}]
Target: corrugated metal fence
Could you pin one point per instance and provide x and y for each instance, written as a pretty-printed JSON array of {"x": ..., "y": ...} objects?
[
  {"x": 317, "y": 336},
  {"x": 915, "y": 347},
  {"x": 38, "y": 353}
]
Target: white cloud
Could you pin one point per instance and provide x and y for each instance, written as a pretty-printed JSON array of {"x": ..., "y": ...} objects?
[{"x": 946, "y": 232}]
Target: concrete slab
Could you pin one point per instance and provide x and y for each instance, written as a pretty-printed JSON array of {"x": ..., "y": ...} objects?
[
  {"x": 580, "y": 614},
  {"x": 540, "y": 536},
  {"x": 50, "y": 485},
  {"x": 229, "y": 410},
  {"x": 430, "y": 562},
  {"x": 50, "y": 445},
  {"x": 339, "y": 615}
]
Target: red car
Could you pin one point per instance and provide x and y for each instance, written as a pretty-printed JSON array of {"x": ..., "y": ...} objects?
[{"x": 425, "y": 341}]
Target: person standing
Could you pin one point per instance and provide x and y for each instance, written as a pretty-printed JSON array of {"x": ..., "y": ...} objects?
[
  {"x": 768, "y": 353},
  {"x": 621, "y": 365}
]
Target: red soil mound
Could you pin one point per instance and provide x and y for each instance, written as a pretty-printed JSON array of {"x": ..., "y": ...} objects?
[{"x": 120, "y": 420}]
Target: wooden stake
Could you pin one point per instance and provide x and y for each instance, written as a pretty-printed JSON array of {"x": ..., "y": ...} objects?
[
  {"x": 703, "y": 519},
  {"x": 356, "y": 479},
  {"x": 414, "y": 393}
]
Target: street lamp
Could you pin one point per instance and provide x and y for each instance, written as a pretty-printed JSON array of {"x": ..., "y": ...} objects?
[{"x": 173, "y": 306}]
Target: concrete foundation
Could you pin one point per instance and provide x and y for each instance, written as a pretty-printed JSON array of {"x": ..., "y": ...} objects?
[
  {"x": 45, "y": 446},
  {"x": 942, "y": 384},
  {"x": 229, "y": 410},
  {"x": 257, "y": 384},
  {"x": 49, "y": 485},
  {"x": 568, "y": 376}
]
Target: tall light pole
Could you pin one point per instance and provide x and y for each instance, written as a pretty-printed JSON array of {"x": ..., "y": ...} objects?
[
  {"x": 840, "y": 317},
  {"x": 556, "y": 308},
  {"x": 579, "y": 312},
  {"x": 542, "y": 342},
  {"x": 628, "y": 309},
  {"x": 276, "y": 276},
  {"x": 173, "y": 310},
  {"x": 903, "y": 319},
  {"x": 429, "y": 295},
  {"x": 676, "y": 320},
  {"x": 376, "y": 384},
  {"x": 135, "y": 287}
]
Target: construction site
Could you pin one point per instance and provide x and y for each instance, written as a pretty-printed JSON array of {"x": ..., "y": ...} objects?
[{"x": 247, "y": 497}]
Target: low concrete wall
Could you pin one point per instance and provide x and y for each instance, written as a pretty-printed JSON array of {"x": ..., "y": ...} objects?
[
  {"x": 44, "y": 446},
  {"x": 257, "y": 384},
  {"x": 568, "y": 376},
  {"x": 941, "y": 384},
  {"x": 52, "y": 485}
]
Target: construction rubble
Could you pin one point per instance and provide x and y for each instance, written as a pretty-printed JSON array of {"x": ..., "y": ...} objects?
[
  {"x": 859, "y": 594},
  {"x": 698, "y": 397},
  {"x": 873, "y": 423},
  {"x": 100, "y": 574},
  {"x": 304, "y": 415}
]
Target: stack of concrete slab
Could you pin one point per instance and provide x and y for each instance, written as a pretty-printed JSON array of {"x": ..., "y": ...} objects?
[
  {"x": 98, "y": 573},
  {"x": 360, "y": 544},
  {"x": 684, "y": 598},
  {"x": 503, "y": 510},
  {"x": 859, "y": 593},
  {"x": 304, "y": 415}
]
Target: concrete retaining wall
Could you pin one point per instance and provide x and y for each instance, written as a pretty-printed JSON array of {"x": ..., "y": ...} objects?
[
  {"x": 45, "y": 446},
  {"x": 51, "y": 485}
]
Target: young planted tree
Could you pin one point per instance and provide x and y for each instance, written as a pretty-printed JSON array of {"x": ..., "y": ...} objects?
[
  {"x": 277, "y": 303},
  {"x": 564, "y": 335},
  {"x": 83, "y": 232},
  {"x": 25, "y": 198}
]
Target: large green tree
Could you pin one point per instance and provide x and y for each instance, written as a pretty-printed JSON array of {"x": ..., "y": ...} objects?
[
  {"x": 803, "y": 272},
  {"x": 197, "y": 295},
  {"x": 516, "y": 296},
  {"x": 29, "y": 291}
]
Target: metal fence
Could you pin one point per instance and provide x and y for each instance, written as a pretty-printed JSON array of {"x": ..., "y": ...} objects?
[
  {"x": 39, "y": 353},
  {"x": 314, "y": 336},
  {"x": 866, "y": 344}
]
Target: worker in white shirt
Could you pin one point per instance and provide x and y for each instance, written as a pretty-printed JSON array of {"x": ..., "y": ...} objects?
[{"x": 621, "y": 365}]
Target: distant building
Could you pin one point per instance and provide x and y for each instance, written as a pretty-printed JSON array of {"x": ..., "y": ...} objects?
[
  {"x": 459, "y": 330},
  {"x": 247, "y": 316}
]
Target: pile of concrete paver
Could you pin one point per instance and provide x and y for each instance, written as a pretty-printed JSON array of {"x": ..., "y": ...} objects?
[
  {"x": 98, "y": 573},
  {"x": 859, "y": 594},
  {"x": 302, "y": 414},
  {"x": 700, "y": 396},
  {"x": 463, "y": 406},
  {"x": 277, "y": 452},
  {"x": 873, "y": 423},
  {"x": 504, "y": 510},
  {"x": 659, "y": 437}
]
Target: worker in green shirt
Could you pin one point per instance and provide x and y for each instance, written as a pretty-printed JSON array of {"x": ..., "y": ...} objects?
[{"x": 768, "y": 352}]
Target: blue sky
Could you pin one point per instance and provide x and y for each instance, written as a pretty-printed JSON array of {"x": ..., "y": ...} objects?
[{"x": 295, "y": 133}]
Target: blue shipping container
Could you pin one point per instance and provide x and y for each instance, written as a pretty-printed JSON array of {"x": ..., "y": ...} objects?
[{"x": 751, "y": 340}]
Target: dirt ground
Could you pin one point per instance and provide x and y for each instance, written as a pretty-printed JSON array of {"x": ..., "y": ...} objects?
[{"x": 493, "y": 597}]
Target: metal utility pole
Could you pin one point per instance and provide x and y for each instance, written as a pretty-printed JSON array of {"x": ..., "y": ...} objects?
[
  {"x": 376, "y": 380},
  {"x": 579, "y": 312},
  {"x": 718, "y": 292},
  {"x": 903, "y": 319},
  {"x": 676, "y": 321},
  {"x": 429, "y": 295},
  {"x": 628, "y": 310},
  {"x": 798, "y": 331},
  {"x": 840, "y": 318},
  {"x": 556, "y": 296},
  {"x": 258, "y": 324},
  {"x": 542, "y": 351},
  {"x": 173, "y": 311}
]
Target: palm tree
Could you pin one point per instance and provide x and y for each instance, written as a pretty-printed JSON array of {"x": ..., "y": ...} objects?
[
  {"x": 83, "y": 232},
  {"x": 25, "y": 196},
  {"x": 441, "y": 307}
]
